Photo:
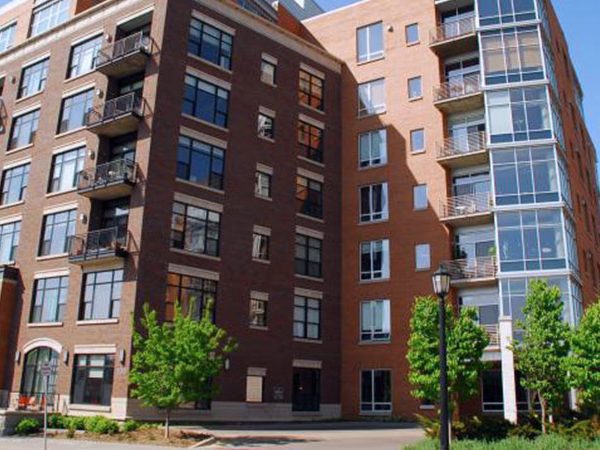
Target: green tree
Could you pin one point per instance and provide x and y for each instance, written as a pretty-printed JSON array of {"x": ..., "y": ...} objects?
[
  {"x": 466, "y": 342},
  {"x": 175, "y": 363},
  {"x": 583, "y": 364},
  {"x": 542, "y": 353}
]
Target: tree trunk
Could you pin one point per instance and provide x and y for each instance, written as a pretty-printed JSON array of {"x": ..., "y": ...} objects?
[
  {"x": 543, "y": 406},
  {"x": 167, "y": 424}
]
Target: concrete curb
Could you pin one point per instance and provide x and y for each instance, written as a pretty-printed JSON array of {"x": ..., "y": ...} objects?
[{"x": 205, "y": 442}]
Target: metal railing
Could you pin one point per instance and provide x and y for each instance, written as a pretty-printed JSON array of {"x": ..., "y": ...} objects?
[
  {"x": 462, "y": 87},
  {"x": 118, "y": 171},
  {"x": 124, "y": 47},
  {"x": 466, "y": 205},
  {"x": 493, "y": 332},
  {"x": 462, "y": 145},
  {"x": 113, "y": 109},
  {"x": 95, "y": 244},
  {"x": 472, "y": 268},
  {"x": 452, "y": 30}
]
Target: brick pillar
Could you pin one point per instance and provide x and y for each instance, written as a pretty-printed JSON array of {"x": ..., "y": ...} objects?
[{"x": 509, "y": 389}]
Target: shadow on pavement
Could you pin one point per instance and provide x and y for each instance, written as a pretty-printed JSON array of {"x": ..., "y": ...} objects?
[
  {"x": 256, "y": 441},
  {"x": 310, "y": 426}
]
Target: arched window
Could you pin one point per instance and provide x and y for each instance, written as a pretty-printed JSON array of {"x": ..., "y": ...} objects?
[{"x": 32, "y": 384}]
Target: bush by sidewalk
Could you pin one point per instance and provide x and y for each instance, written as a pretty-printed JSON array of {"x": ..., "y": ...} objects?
[{"x": 548, "y": 442}]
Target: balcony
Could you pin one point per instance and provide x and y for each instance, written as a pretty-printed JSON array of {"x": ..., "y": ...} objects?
[
  {"x": 107, "y": 245},
  {"x": 463, "y": 151},
  {"x": 493, "y": 332},
  {"x": 126, "y": 56},
  {"x": 108, "y": 181},
  {"x": 470, "y": 209},
  {"x": 454, "y": 37},
  {"x": 479, "y": 271},
  {"x": 459, "y": 95},
  {"x": 118, "y": 116}
]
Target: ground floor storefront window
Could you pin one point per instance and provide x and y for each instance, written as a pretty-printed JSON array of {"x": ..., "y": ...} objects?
[{"x": 93, "y": 379}]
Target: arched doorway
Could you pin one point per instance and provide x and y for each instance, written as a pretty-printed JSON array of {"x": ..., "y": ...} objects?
[{"x": 32, "y": 381}]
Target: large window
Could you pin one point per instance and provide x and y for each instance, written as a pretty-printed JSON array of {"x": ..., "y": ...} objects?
[
  {"x": 93, "y": 379},
  {"x": 310, "y": 138},
  {"x": 74, "y": 111},
  {"x": 192, "y": 293},
  {"x": 525, "y": 175},
  {"x": 7, "y": 37},
  {"x": 369, "y": 40},
  {"x": 24, "y": 129},
  {"x": 84, "y": 57},
  {"x": 49, "y": 299},
  {"x": 374, "y": 202},
  {"x": 57, "y": 231},
  {"x": 48, "y": 14},
  {"x": 531, "y": 240},
  {"x": 33, "y": 78},
  {"x": 512, "y": 55},
  {"x": 14, "y": 184},
  {"x": 519, "y": 114},
  {"x": 307, "y": 317},
  {"x": 200, "y": 162},
  {"x": 210, "y": 43},
  {"x": 376, "y": 391},
  {"x": 33, "y": 382},
  {"x": 375, "y": 260},
  {"x": 308, "y": 256},
  {"x": 422, "y": 256},
  {"x": 491, "y": 391},
  {"x": 375, "y": 320},
  {"x": 372, "y": 148},
  {"x": 371, "y": 97},
  {"x": 309, "y": 197},
  {"x": 9, "y": 241},
  {"x": 65, "y": 170},
  {"x": 206, "y": 101},
  {"x": 102, "y": 295},
  {"x": 494, "y": 12},
  {"x": 311, "y": 90},
  {"x": 195, "y": 229}
]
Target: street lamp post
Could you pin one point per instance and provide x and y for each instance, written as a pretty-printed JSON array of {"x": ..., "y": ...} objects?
[{"x": 441, "y": 287}]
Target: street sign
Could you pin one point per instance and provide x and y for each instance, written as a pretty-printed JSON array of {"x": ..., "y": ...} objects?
[{"x": 46, "y": 370}]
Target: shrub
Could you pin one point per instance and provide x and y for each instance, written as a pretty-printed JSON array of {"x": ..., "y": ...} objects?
[
  {"x": 548, "y": 442},
  {"x": 28, "y": 426},
  {"x": 101, "y": 425},
  {"x": 78, "y": 423},
  {"x": 131, "y": 425},
  {"x": 57, "y": 421},
  {"x": 485, "y": 428}
]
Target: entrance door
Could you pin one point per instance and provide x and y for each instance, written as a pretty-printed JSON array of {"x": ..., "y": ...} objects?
[{"x": 306, "y": 394}]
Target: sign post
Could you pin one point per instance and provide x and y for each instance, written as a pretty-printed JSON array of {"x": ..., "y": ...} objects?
[{"x": 46, "y": 370}]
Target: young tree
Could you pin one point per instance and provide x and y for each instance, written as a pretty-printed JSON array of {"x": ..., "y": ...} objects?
[
  {"x": 466, "y": 343},
  {"x": 541, "y": 355},
  {"x": 175, "y": 363},
  {"x": 583, "y": 364}
]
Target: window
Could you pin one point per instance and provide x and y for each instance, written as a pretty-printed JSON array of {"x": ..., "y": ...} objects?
[
  {"x": 66, "y": 167},
  {"x": 192, "y": 293},
  {"x": 33, "y": 78},
  {"x": 415, "y": 88},
  {"x": 420, "y": 200},
  {"x": 93, "y": 379},
  {"x": 372, "y": 148},
  {"x": 307, "y": 318},
  {"x": 306, "y": 389},
  {"x": 102, "y": 295},
  {"x": 519, "y": 114},
  {"x": 374, "y": 202},
  {"x": 9, "y": 241},
  {"x": 262, "y": 184},
  {"x": 525, "y": 175},
  {"x": 412, "y": 34},
  {"x": 491, "y": 391},
  {"x": 14, "y": 184},
  {"x": 7, "y": 37},
  {"x": 254, "y": 388},
  {"x": 531, "y": 240},
  {"x": 49, "y": 299},
  {"x": 210, "y": 43},
  {"x": 375, "y": 260},
  {"x": 512, "y": 55},
  {"x": 48, "y": 14},
  {"x": 260, "y": 246},
  {"x": 206, "y": 101},
  {"x": 371, "y": 98},
  {"x": 24, "y": 128},
  {"x": 311, "y": 90},
  {"x": 266, "y": 126},
  {"x": 258, "y": 312},
  {"x": 370, "y": 42},
  {"x": 195, "y": 229},
  {"x": 268, "y": 71},
  {"x": 494, "y": 12},
  {"x": 376, "y": 391},
  {"x": 33, "y": 384},
  {"x": 423, "y": 256},
  {"x": 200, "y": 162},
  {"x": 308, "y": 256},
  {"x": 309, "y": 197},
  {"x": 74, "y": 111},
  {"x": 375, "y": 320},
  {"x": 310, "y": 138},
  {"x": 57, "y": 231},
  {"x": 84, "y": 57},
  {"x": 417, "y": 141}
]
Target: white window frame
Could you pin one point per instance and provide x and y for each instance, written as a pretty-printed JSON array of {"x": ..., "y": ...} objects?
[
  {"x": 422, "y": 256},
  {"x": 371, "y": 215},
  {"x": 386, "y": 321},
  {"x": 384, "y": 272},
  {"x": 369, "y": 108},
  {"x": 383, "y": 150},
  {"x": 370, "y": 55}
]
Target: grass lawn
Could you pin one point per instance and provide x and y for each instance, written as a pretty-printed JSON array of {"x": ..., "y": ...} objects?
[{"x": 552, "y": 442}]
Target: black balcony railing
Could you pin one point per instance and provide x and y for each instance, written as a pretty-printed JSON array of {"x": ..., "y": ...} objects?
[
  {"x": 106, "y": 243},
  {"x": 122, "y": 48},
  {"x": 128, "y": 104},
  {"x": 108, "y": 174}
]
